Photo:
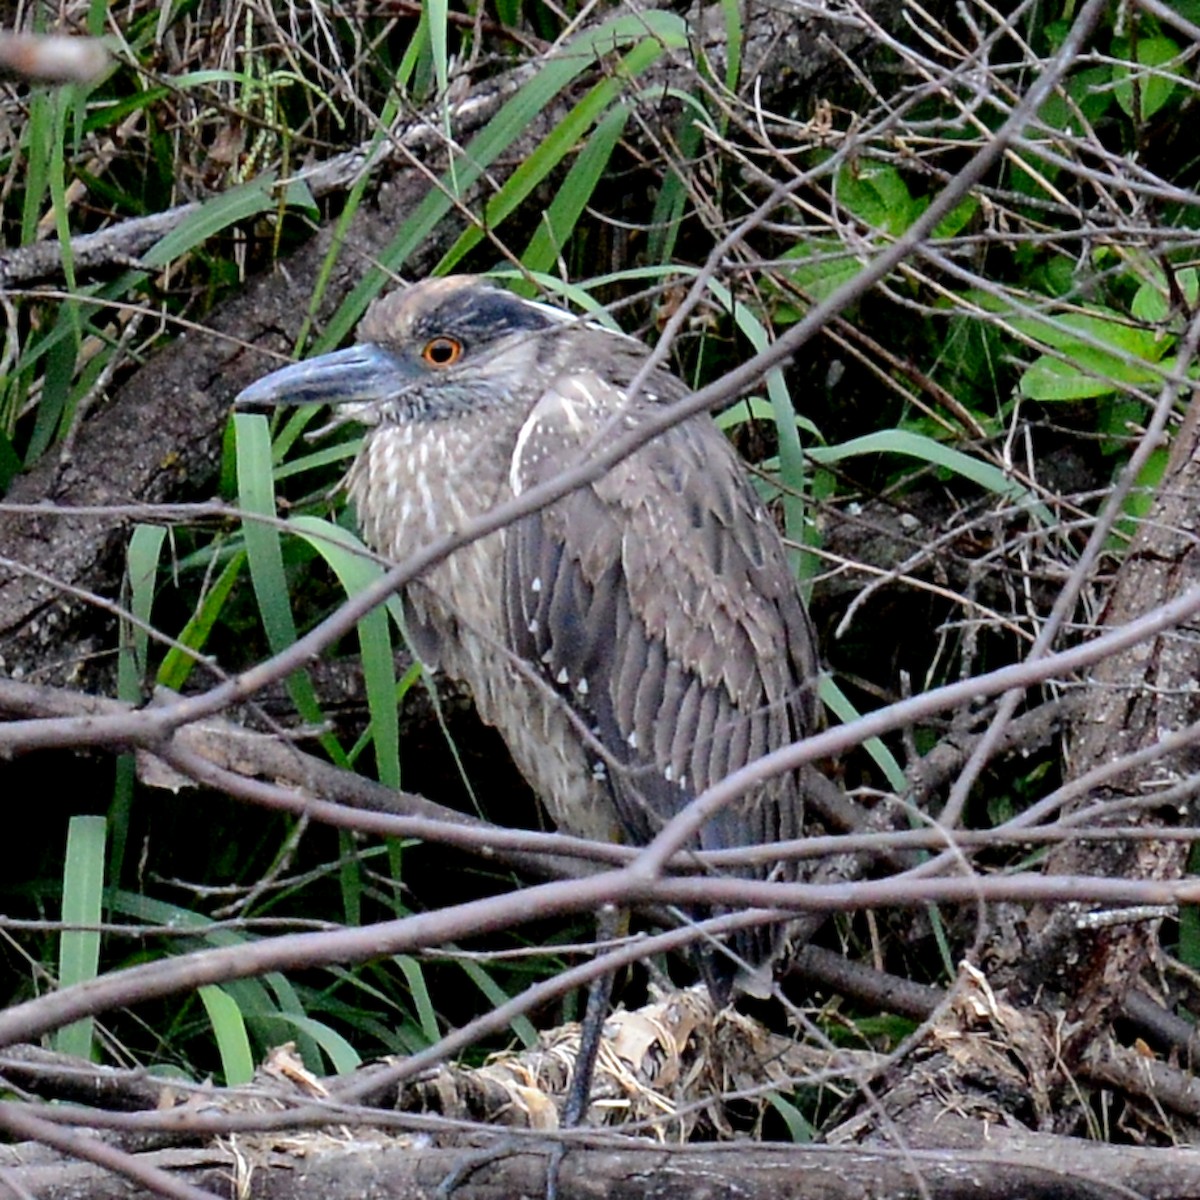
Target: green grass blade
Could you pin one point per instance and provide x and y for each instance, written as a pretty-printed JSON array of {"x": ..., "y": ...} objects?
[
  {"x": 38, "y": 152},
  {"x": 731, "y": 10},
  {"x": 343, "y": 452},
  {"x": 355, "y": 571},
  {"x": 417, "y": 986},
  {"x": 438, "y": 11},
  {"x": 552, "y": 150},
  {"x": 141, "y": 566},
  {"x": 177, "y": 664},
  {"x": 520, "y": 1025},
  {"x": 291, "y": 1010},
  {"x": 915, "y": 445},
  {"x": 141, "y": 574},
  {"x": 514, "y": 117},
  {"x": 800, "y": 1129},
  {"x": 58, "y": 194},
  {"x": 256, "y": 495},
  {"x": 792, "y": 467},
  {"x": 229, "y": 1029},
  {"x": 839, "y": 704},
  {"x": 673, "y": 193},
  {"x": 79, "y": 949},
  {"x": 350, "y": 878},
  {"x": 342, "y": 1056},
  {"x": 237, "y": 204},
  {"x": 558, "y": 222}
]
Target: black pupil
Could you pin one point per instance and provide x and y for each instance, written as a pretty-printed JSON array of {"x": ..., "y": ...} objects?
[{"x": 441, "y": 350}]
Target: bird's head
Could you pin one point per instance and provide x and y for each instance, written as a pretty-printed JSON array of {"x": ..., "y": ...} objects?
[{"x": 439, "y": 349}]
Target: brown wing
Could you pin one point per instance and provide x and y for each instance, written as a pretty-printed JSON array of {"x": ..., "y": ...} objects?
[{"x": 659, "y": 604}]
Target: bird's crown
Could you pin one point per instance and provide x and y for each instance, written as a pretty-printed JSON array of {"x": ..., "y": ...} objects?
[{"x": 466, "y": 307}]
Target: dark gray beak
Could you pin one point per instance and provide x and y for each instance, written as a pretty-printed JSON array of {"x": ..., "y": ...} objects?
[{"x": 360, "y": 375}]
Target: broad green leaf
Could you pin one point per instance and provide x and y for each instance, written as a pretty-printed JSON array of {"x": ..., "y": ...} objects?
[
  {"x": 820, "y": 266},
  {"x": 1152, "y": 302},
  {"x": 1090, "y": 374},
  {"x": 1140, "y": 502},
  {"x": 957, "y": 218},
  {"x": 876, "y": 193},
  {"x": 1159, "y": 70},
  {"x": 1103, "y": 325}
]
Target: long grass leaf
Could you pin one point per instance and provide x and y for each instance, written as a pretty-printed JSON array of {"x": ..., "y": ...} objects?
[
  {"x": 141, "y": 567},
  {"x": 558, "y": 222},
  {"x": 177, "y": 663},
  {"x": 79, "y": 949},
  {"x": 39, "y": 148},
  {"x": 552, "y": 149},
  {"x": 233, "y": 1042},
  {"x": 342, "y": 1056},
  {"x": 237, "y": 204},
  {"x": 521, "y": 1026},
  {"x": 291, "y": 1010},
  {"x": 841, "y": 706},
  {"x": 355, "y": 571},
  {"x": 256, "y": 496},
  {"x": 141, "y": 574},
  {"x": 419, "y": 990},
  {"x": 514, "y": 117},
  {"x": 915, "y": 445}
]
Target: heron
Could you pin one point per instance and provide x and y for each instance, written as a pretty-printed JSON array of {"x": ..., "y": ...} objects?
[{"x": 636, "y": 640}]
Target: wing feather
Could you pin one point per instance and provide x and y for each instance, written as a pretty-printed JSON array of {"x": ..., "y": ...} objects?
[{"x": 665, "y": 585}]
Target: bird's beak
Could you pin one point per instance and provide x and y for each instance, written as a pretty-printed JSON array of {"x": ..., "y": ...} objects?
[{"x": 362, "y": 374}]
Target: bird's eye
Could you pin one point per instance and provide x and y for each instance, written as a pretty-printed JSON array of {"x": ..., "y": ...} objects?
[{"x": 442, "y": 351}]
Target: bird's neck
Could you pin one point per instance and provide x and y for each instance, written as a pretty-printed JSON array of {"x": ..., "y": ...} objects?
[{"x": 414, "y": 482}]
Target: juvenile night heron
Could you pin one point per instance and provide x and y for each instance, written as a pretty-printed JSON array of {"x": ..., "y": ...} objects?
[{"x": 634, "y": 642}]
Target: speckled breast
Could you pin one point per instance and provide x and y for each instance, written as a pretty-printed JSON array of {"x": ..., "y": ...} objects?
[{"x": 414, "y": 483}]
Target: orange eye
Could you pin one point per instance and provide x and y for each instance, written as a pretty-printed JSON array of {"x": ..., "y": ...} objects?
[{"x": 442, "y": 351}]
